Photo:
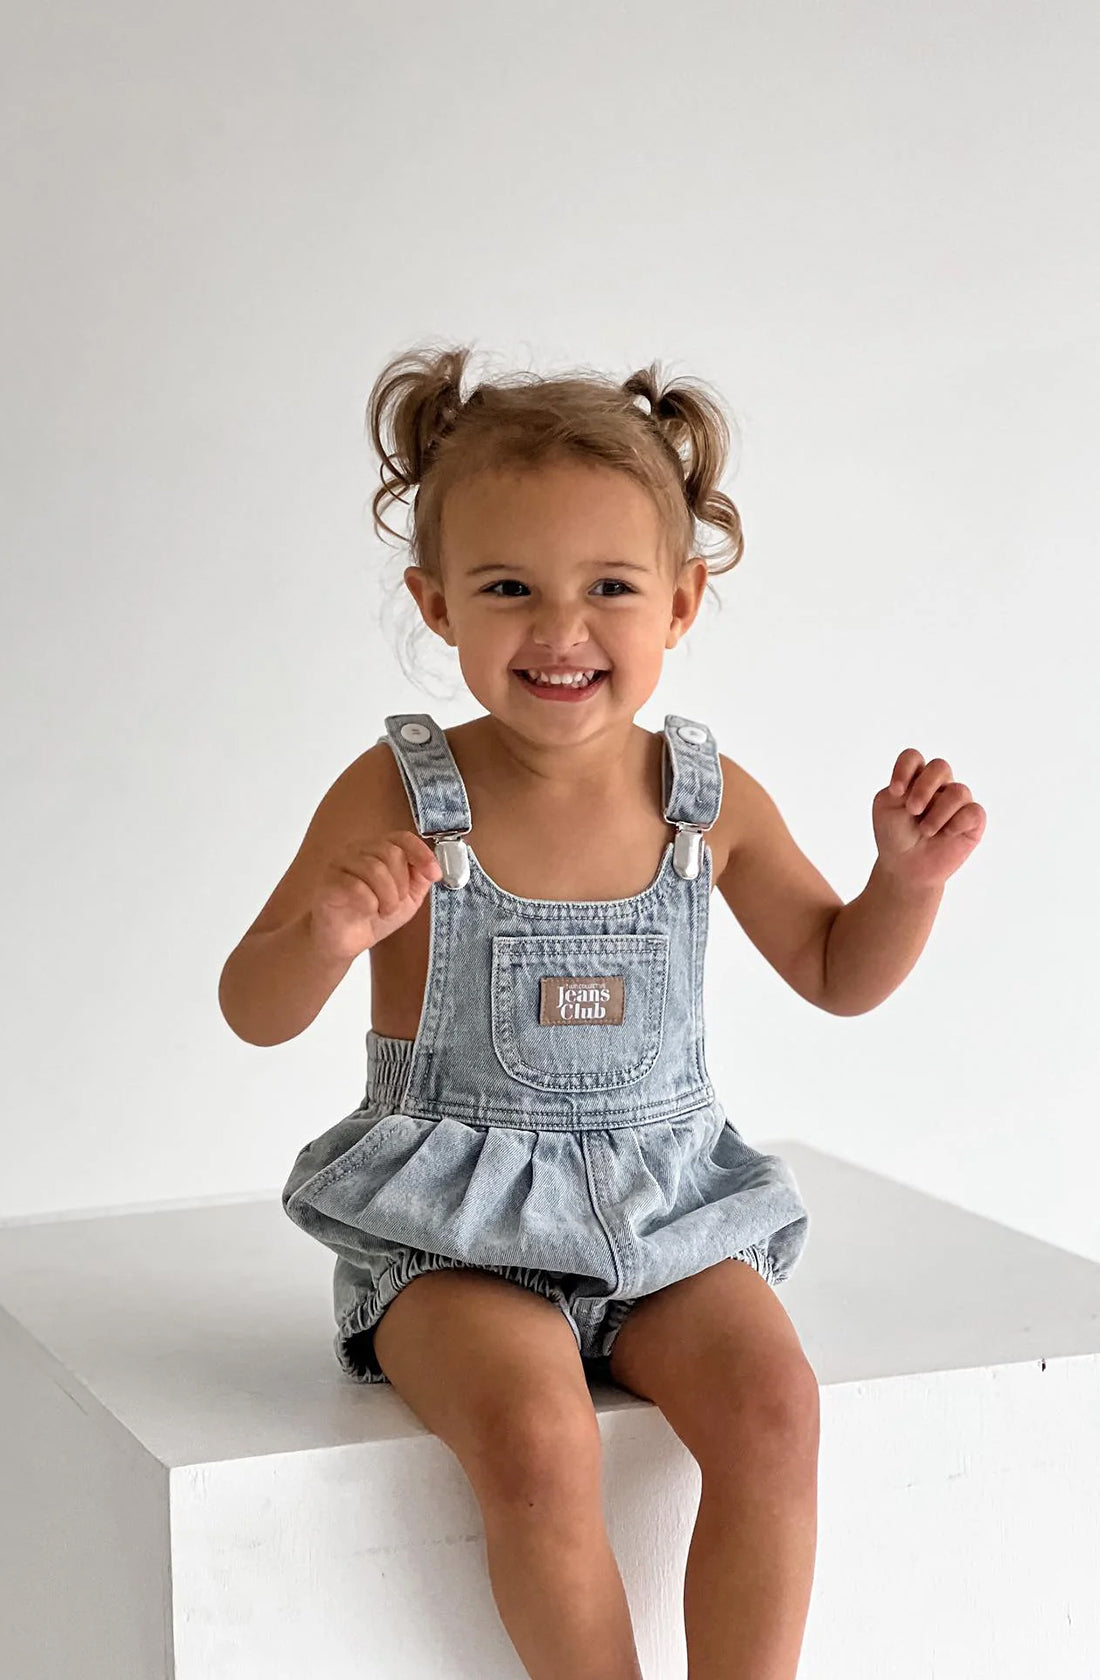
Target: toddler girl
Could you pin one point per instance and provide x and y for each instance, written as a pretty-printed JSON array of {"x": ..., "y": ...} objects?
[{"x": 541, "y": 1183}]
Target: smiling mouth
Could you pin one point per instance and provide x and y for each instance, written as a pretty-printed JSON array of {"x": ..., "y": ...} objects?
[{"x": 570, "y": 686}]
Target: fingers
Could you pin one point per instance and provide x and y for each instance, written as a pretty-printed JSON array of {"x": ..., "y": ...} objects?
[
  {"x": 387, "y": 866},
  {"x": 919, "y": 783},
  {"x": 969, "y": 819},
  {"x": 420, "y": 855},
  {"x": 905, "y": 768},
  {"x": 945, "y": 805}
]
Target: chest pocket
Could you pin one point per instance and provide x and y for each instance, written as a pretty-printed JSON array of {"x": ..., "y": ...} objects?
[{"x": 579, "y": 1011}]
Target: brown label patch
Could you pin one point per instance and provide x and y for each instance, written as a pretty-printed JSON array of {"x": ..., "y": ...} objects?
[{"x": 581, "y": 1001}]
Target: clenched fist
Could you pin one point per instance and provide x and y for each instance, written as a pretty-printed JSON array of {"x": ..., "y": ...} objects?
[
  {"x": 926, "y": 824},
  {"x": 370, "y": 889}
]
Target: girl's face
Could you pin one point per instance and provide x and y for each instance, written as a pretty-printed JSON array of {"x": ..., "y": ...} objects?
[{"x": 557, "y": 568}]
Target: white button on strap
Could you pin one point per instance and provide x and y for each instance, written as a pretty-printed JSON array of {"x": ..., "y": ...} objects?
[
  {"x": 418, "y": 732},
  {"x": 691, "y": 732}
]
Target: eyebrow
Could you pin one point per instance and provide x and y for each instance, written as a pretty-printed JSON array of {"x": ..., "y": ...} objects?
[{"x": 514, "y": 566}]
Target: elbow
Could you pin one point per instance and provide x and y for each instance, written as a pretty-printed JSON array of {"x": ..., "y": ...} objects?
[
  {"x": 834, "y": 1006},
  {"x": 853, "y": 1004},
  {"x": 226, "y": 1003},
  {"x": 829, "y": 997}
]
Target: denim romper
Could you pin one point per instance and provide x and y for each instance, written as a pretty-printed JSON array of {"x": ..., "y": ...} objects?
[{"x": 553, "y": 1121}]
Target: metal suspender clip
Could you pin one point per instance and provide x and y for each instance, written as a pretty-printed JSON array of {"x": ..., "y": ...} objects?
[
  {"x": 454, "y": 858},
  {"x": 687, "y": 849}
]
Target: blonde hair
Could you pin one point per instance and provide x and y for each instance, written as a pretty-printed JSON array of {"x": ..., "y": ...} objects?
[{"x": 429, "y": 436}]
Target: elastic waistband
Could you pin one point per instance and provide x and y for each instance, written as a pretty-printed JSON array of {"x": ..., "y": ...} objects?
[{"x": 388, "y": 1061}]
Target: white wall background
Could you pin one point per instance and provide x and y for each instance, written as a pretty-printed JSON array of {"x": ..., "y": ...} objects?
[{"x": 871, "y": 227}]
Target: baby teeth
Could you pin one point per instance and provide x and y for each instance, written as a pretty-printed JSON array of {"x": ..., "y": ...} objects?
[{"x": 577, "y": 680}]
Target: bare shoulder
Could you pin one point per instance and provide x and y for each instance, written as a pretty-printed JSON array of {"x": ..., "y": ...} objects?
[
  {"x": 750, "y": 825},
  {"x": 738, "y": 792},
  {"x": 364, "y": 802}
]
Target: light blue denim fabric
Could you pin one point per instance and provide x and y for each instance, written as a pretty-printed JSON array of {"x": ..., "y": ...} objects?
[{"x": 588, "y": 1159}]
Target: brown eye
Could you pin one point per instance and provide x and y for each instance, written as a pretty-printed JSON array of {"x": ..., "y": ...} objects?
[{"x": 491, "y": 588}]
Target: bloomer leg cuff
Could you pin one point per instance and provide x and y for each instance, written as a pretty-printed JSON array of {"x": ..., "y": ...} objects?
[
  {"x": 354, "y": 1339},
  {"x": 617, "y": 1311}
]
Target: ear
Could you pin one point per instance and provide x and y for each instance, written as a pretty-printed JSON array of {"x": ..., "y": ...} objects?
[
  {"x": 431, "y": 601},
  {"x": 687, "y": 596}
]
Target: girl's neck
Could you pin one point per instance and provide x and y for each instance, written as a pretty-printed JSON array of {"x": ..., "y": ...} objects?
[{"x": 618, "y": 757}]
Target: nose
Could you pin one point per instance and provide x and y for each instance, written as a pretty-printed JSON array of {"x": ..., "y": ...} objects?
[{"x": 559, "y": 629}]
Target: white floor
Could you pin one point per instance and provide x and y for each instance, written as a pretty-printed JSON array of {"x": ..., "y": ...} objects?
[{"x": 186, "y": 1472}]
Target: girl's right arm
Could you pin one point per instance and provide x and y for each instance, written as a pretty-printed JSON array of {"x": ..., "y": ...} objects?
[
  {"x": 346, "y": 889},
  {"x": 275, "y": 983}
]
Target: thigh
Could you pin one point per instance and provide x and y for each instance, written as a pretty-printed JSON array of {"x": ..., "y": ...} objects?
[
  {"x": 494, "y": 1370},
  {"x": 720, "y": 1357}
]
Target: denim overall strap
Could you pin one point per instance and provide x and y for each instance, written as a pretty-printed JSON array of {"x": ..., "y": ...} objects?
[
  {"x": 436, "y": 791},
  {"x": 692, "y": 789},
  {"x": 435, "y": 788}
]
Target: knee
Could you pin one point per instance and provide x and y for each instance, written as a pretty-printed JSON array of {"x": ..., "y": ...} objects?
[
  {"x": 788, "y": 1407},
  {"x": 767, "y": 1417},
  {"x": 543, "y": 1454}
]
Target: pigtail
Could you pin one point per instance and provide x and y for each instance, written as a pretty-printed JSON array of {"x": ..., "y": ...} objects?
[
  {"x": 414, "y": 404},
  {"x": 696, "y": 434}
]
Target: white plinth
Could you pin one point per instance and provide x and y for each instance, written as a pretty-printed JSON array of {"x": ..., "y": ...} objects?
[{"x": 191, "y": 1489}]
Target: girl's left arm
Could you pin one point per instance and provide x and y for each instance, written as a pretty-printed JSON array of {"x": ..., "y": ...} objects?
[{"x": 846, "y": 958}]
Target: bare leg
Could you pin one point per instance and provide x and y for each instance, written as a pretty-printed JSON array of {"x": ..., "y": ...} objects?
[
  {"x": 494, "y": 1371},
  {"x": 719, "y": 1355},
  {"x": 750, "y": 1573},
  {"x": 558, "y": 1589}
]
